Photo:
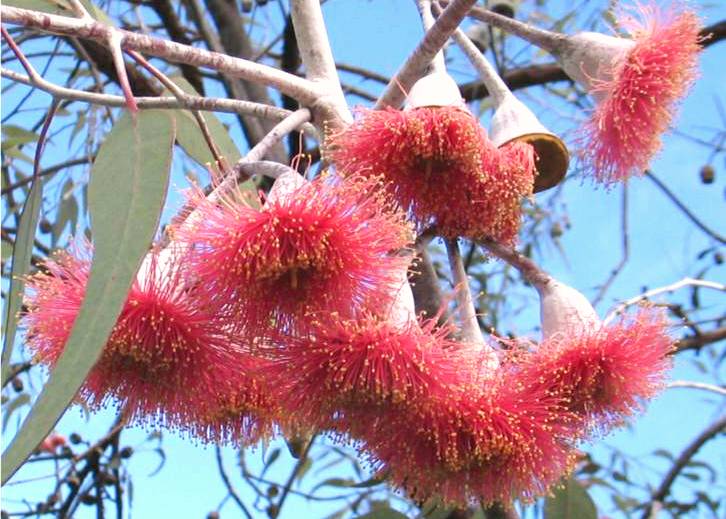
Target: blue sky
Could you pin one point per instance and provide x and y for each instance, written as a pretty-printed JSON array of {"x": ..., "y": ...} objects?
[{"x": 378, "y": 34}]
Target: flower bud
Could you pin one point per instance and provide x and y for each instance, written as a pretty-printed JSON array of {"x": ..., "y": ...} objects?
[
  {"x": 285, "y": 185},
  {"x": 564, "y": 310},
  {"x": 437, "y": 89},
  {"x": 513, "y": 121}
]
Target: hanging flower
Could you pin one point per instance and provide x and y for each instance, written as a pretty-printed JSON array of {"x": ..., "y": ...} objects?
[
  {"x": 482, "y": 443},
  {"x": 164, "y": 358},
  {"x": 351, "y": 368},
  {"x": 326, "y": 246},
  {"x": 440, "y": 167},
  {"x": 245, "y": 410},
  {"x": 438, "y": 162},
  {"x": 605, "y": 373},
  {"x": 638, "y": 91}
]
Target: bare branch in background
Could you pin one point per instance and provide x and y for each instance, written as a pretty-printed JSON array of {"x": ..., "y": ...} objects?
[
  {"x": 663, "y": 490},
  {"x": 292, "y": 85}
]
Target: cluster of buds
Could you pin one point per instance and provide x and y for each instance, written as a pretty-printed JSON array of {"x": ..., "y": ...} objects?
[{"x": 296, "y": 314}]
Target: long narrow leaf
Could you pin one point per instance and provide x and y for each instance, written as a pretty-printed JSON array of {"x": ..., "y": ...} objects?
[
  {"x": 126, "y": 194},
  {"x": 22, "y": 252}
]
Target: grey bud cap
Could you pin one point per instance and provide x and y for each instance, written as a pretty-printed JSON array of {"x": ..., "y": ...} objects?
[
  {"x": 437, "y": 89},
  {"x": 285, "y": 185},
  {"x": 590, "y": 56},
  {"x": 564, "y": 310},
  {"x": 513, "y": 121}
]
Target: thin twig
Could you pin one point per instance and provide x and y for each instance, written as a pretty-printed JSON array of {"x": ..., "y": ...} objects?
[
  {"x": 208, "y": 104},
  {"x": 47, "y": 171},
  {"x": 465, "y": 303},
  {"x": 625, "y": 248},
  {"x": 114, "y": 41},
  {"x": 80, "y": 9},
  {"x": 698, "y": 385},
  {"x": 495, "y": 85},
  {"x": 526, "y": 266},
  {"x": 293, "y": 475},
  {"x": 181, "y": 95},
  {"x": 685, "y": 282},
  {"x": 228, "y": 484},
  {"x": 713, "y": 234},
  {"x": 265, "y": 168},
  {"x": 291, "y": 123},
  {"x": 299, "y": 88},
  {"x": 680, "y": 463}
]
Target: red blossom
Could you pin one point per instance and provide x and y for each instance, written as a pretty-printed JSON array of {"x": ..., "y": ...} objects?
[
  {"x": 168, "y": 359},
  {"x": 605, "y": 374},
  {"x": 441, "y": 167},
  {"x": 351, "y": 368},
  {"x": 482, "y": 443},
  {"x": 638, "y": 103},
  {"x": 328, "y": 246},
  {"x": 52, "y": 443}
]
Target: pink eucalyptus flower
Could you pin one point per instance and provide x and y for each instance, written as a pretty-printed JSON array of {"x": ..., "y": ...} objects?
[
  {"x": 168, "y": 358},
  {"x": 482, "y": 443},
  {"x": 637, "y": 93},
  {"x": 440, "y": 167},
  {"x": 326, "y": 246},
  {"x": 605, "y": 373},
  {"x": 350, "y": 368}
]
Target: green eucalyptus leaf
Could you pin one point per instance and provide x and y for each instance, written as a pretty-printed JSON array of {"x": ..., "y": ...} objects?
[
  {"x": 22, "y": 253},
  {"x": 128, "y": 185},
  {"x": 571, "y": 501},
  {"x": 190, "y": 137},
  {"x": 15, "y": 136},
  {"x": 15, "y": 404},
  {"x": 44, "y": 6},
  {"x": 67, "y": 211}
]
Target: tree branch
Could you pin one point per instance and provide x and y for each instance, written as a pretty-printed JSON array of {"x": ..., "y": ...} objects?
[
  {"x": 416, "y": 64},
  {"x": 680, "y": 463},
  {"x": 296, "y": 87},
  {"x": 314, "y": 47},
  {"x": 685, "y": 282},
  {"x": 208, "y": 104}
]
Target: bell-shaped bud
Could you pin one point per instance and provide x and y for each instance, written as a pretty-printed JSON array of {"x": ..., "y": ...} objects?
[
  {"x": 564, "y": 310},
  {"x": 590, "y": 58},
  {"x": 513, "y": 121},
  {"x": 403, "y": 309},
  {"x": 437, "y": 89},
  {"x": 284, "y": 186}
]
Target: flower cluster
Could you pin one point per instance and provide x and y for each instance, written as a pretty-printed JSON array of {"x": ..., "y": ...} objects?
[
  {"x": 297, "y": 314},
  {"x": 169, "y": 360},
  {"x": 441, "y": 167}
]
